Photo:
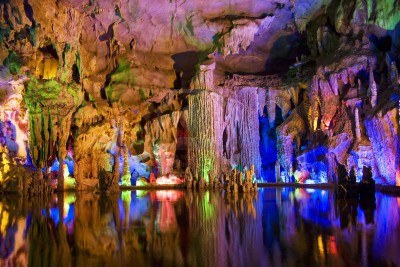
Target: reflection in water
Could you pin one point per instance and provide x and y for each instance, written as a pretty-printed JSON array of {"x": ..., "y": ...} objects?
[{"x": 278, "y": 227}]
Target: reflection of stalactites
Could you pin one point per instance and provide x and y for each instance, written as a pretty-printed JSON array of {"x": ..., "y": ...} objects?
[
  {"x": 241, "y": 226},
  {"x": 243, "y": 204},
  {"x": 42, "y": 242},
  {"x": 96, "y": 222},
  {"x": 64, "y": 252},
  {"x": 17, "y": 253}
]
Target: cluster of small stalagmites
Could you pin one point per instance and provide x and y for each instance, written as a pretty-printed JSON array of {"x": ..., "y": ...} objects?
[
  {"x": 14, "y": 177},
  {"x": 40, "y": 186},
  {"x": 200, "y": 183},
  {"x": 241, "y": 181},
  {"x": 234, "y": 182}
]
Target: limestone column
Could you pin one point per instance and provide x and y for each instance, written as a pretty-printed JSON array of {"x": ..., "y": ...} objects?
[
  {"x": 205, "y": 123},
  {"x": 250, "y": 130}
]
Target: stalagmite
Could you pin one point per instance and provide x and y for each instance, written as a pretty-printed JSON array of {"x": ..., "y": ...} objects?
[
  {"x": 277, "y": 172},
  {"x": 126, "y": 175},
  {"x": 113, "y": 186},
  {"x": 188, "y": 178}
]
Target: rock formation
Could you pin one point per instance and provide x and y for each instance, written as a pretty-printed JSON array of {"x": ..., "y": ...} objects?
[{"x": 121, "y": 92}]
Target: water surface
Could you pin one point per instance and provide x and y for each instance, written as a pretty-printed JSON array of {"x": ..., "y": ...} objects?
[{"x": 278, "y": 227}]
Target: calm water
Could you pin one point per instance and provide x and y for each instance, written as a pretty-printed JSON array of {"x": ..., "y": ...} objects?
[{"x": 279, "y": 227}]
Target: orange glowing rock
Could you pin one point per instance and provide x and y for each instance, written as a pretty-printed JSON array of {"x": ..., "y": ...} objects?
[{"x": 152, "y": 178}]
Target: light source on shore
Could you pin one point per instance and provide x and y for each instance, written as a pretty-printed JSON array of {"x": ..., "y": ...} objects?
[{"x": 169, "y": 180}]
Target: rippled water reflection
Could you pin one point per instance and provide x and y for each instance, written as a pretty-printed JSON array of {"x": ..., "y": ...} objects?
[{"x": 280, "y": 227}]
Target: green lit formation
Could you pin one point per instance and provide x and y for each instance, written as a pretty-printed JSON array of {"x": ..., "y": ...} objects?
[
  {"x": 121, "y": 76},
  {"x": 385, "y": 13},
  {"x": 50, "y": 105},
  {"x": 13, "y": 62}
]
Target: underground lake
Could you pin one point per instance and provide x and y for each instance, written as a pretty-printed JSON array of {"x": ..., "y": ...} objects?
[{"x": 275, "y": 227}]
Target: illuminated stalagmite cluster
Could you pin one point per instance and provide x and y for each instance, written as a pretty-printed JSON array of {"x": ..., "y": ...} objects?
[{"x": 98, "y": 94}]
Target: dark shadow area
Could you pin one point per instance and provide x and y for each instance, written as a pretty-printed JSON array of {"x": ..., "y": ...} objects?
[
  {"x": 284, "y": 52},
  {"x": 75, "y": 74},
  {"x": 383, "y": 44},
  {"x": 49, "y": 51},
  {"x": 182, "y": 146},
  {"x": 185, "y": 68},
  {"x": 29, "y": 12}
]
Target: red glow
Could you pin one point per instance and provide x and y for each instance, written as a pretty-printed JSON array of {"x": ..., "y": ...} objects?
[{"x": 170, "y": 180}]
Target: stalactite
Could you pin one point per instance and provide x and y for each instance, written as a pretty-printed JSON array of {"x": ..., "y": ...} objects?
[
  {"x": 345, "y": 77},
  {"x": 205, "y": 77},
  {"x": 205, "y": 133},
  {"x": 271, "y": 106},
  {"x": 161, "y": 140},
  {"x": 372, "y": 88},
  {"x": 332, "y": 166},
  {"x": 50, "y": 106},
  {"x": 262, "y": 99},
  {"x": 314, "y": 98},
  {"x": 283, "y": 101},
  {"x": 357, "y": 121},
  {"x": 294, "y": 94},
  {"x": 334, "y": 83},
  {"x": 231, "y": 121}
]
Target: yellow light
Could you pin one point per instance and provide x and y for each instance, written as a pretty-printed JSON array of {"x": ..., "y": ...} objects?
[
  {"x": 320, "y": 245},
  {"x": 4, "y": 221}
]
